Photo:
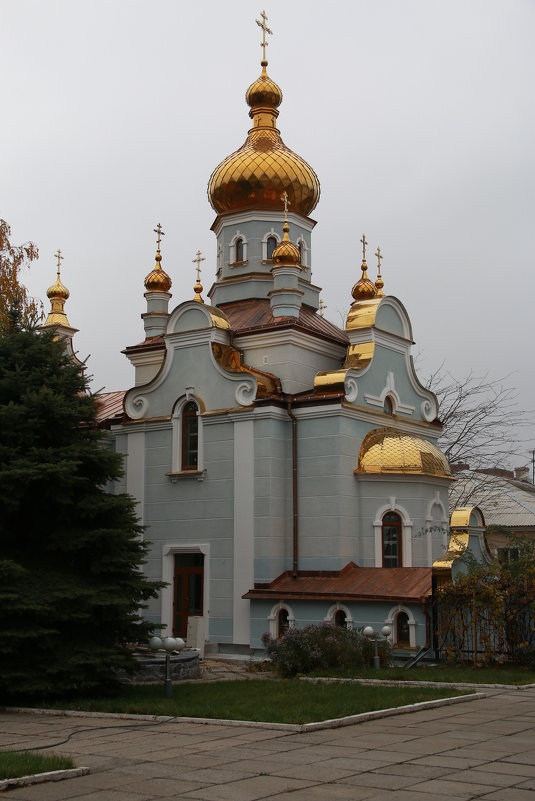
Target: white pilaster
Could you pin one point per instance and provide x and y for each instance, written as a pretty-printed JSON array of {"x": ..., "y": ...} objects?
[{"x": 243, "y": 527}]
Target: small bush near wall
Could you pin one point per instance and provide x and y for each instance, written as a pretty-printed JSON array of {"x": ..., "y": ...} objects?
[{"x": 321, "y": 646}]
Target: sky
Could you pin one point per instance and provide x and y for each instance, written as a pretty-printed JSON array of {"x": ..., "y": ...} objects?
[{"x": 417, "y": 116}]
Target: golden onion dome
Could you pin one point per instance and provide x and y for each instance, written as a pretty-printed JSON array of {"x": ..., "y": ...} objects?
[
  {"x": 158, "y": 280},
  {"x": 286, "y": 253},
  {"x": 57, "y": 291},
  {"x": 364, "y": 289},
  {"x": 258, "y": 173},
  {"x": 385, "y": 450}
]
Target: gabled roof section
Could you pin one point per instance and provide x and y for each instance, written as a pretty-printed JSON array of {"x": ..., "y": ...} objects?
[
  {"x": 109, "y": 408},
  {"x": 254, "y": 316},
  {"x": 352, "y": 583}
]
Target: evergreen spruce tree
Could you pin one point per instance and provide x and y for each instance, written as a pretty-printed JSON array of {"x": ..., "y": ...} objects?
[{"x": 71, "y": 553}]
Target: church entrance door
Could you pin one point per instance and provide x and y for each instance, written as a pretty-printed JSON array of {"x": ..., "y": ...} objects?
[{"x": 188, "y": 590}]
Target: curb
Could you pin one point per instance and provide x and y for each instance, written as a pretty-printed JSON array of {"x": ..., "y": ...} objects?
[
  {"x": 39, "y": 778},
  {"x": 402, "y": 683},
  {"x": 302, "y": 728}
]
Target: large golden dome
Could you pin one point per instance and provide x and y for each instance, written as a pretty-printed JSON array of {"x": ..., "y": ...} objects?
[
  {"x": 256, "y": 175},
  {"x": 385, "y": 450}
]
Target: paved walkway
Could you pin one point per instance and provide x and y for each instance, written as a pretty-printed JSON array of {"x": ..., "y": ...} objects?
[{"x": 481, "y": 749}]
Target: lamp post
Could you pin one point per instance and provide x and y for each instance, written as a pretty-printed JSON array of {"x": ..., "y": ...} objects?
[
  {"x": 168, "y": 644},
  {"x": 371, "y": 634}
]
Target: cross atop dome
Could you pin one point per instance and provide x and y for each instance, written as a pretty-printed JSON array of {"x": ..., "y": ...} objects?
[{"x": 265, "y": 30}]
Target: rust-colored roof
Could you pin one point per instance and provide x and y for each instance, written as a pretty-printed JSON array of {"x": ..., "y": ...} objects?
[
  {"x": 352, "y": 583},
  {"x": 254, "y": 316},
  {"x": 109, "y": 407},
  {"x": 151, "y": 343}
]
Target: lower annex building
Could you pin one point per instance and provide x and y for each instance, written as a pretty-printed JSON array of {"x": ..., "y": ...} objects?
[{"x": 286, "y": 470}]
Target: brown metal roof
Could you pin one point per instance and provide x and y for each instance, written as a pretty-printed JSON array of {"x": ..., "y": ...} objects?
[
  {"x": 352, "y": 583},
  {"x": 109, "y": 407},
  {"x": 151, "y": 343},
  {"x": 254, "y": 315}
]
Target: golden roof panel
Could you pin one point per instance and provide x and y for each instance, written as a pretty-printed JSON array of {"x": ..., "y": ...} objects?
[{"x": 387, "y": 451}]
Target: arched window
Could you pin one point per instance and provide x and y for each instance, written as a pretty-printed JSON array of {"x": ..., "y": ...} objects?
[
  {"x": 239, "y": 249},
  {"x": 271, "y": 244},
  {"x": 340, "y": 618},
  {"x": 301, "y": 261},
  {"x": 283, "y": 622},
  {"x": 190, "y": 436},
  {"x": 388, "y": 405},
  {"x": 392, "y": 556},
  {"x": 403, "y": 638}
]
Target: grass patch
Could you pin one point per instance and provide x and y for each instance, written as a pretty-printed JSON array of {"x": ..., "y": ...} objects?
[
  {"x": 498, "y": 674},
  {"x": 14, "y": 764},
  {"x": 289, "y": 701}
]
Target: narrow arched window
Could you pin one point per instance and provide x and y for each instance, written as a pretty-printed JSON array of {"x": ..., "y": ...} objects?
[
  {"x": 271, "y": 244},
  {"x": 283, "y": 622},
  {"x": 340, "y": 618},
  {"x": 190, "y": 436},
  {"x": 402, "y": 629},
  {"x": 301, "y": 252},
  {"x": 239, "y": 249},
  {"x": 388, "y": 405},
  {"x": 392, "y": 540}
]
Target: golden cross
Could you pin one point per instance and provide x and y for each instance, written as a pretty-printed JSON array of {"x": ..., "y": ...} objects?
[
  {"x": 158, "y": 230},
  {"x": 322, "y": 308},
  {"x": 265, "y": 30},
  {"x": 198, "y": 258},
  {"x": 284, "y": 198},
  {"x": 379, "y": 259},
  {"x": 364, "y": 243},
  {"x": 59, "y": 257}
]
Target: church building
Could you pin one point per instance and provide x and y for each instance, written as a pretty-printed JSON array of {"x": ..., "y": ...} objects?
[{"x": 286, "y": 470}]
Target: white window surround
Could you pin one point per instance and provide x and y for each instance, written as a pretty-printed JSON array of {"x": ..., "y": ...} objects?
[
  {"x": 269, "y": 234},
  {"x": 391, "y": 621},
  {"x": 406, "y": 535},
  {"x": 232, "y": 248},
  {"x": 176, "y": 459},
  {"x": 168, "y": 572},
  {"x": 430, "y": 522},
  {"x": 331, "y": 612},
  {"x": 304, "y": 252},
  {"x": 273, "y": 618}
]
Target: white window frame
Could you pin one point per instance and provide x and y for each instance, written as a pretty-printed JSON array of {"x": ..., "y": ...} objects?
[
  {"x": 391, "y": 621},
  {"x": 304, "y": 252},
  {"x": 267, "y": 236},
  {"x": 406, "y": 532},
  {"x": 273, "y": 618},
  {"x": 329, "y": 617},
  {"x": 232, "y": 249},
  {"x": 176, "y": 458}
]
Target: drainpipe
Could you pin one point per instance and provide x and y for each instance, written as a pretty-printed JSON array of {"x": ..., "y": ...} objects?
[{"x": 293, "y": 418}]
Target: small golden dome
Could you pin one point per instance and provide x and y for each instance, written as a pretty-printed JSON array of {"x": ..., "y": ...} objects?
[
  {"x": 158, "y": 280},
  {"x": 262, "y": 169},
  {"x": 264, "y": 92},
  {"x": 385, "y": 450},
  {"x": 286, "y": 253},
  {"x": 57, "y": 291},
  {"x": 364, "y": 289}
]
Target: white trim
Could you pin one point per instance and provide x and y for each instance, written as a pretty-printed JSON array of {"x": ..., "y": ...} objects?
[
  {"x": 290, "y": 337},
  {"x": 232, "y": 249},
  {"x": 274, "y": 615},
  {"x": 242, "y": 217},
  {"x": 243, "y": 528},
  {"x": 168, "y": 568},
  {"x": 176, "y": 453},
  {"x": 391, "y": 621},
  {"x": 390, "y": 390},
  {"x": 303, "y": 251},
  {"x": 429, "y": 522},
  {"x": 406, "y": 532},
  {"x": 267, "y": 235},
  {"x": 331, "y": 612}
]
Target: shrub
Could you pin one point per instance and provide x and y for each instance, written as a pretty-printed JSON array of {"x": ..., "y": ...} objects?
[{"x": 320, "y": 647}]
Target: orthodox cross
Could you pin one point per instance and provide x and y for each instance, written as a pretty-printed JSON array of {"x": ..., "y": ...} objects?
[
  {"x": 158, "y": 230},
  {"x": 59, "y": 257},
  {"x": 197, "y": 260},
  {"x": 364, "y": 243},
  {"x": 284, "y": 198},
  {"x": 322, "y": 308},
  {"x": 265, "y": 30},
  {"x": 379, "y": 259}
]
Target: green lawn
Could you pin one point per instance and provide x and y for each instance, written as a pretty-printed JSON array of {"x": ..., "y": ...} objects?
[
  {"x": 14, "y": 764},
  {"x": 289, "y": 701},
  {"x": 503, "y": 674}
]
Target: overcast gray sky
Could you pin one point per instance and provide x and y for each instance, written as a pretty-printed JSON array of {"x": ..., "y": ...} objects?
[{"x": 418, "y": 117}]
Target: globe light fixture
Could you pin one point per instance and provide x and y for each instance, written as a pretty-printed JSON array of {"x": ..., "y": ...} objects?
[
  {"x": 168, "y": 644},
  {"x": 372, "y": 635}
]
